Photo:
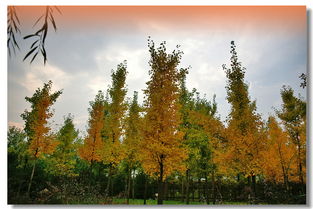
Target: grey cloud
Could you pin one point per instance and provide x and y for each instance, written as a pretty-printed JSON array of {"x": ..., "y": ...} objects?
[{"x": 89, "y": 57}]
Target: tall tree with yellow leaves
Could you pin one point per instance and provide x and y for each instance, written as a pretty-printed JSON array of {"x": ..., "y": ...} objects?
[
  {"x": 280, "y": 152},
  {"x": 93, "y": 143},
  {"x": 40, "y": 140},
  {"x": 132, "y": 139},
  {"x": 162, "y": 151},
  {"x": 112, "y": 152},
  {"x": 244, "y": 135}
]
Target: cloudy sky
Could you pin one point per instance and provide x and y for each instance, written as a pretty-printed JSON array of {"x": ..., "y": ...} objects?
[{"x": 91, "y": 41}]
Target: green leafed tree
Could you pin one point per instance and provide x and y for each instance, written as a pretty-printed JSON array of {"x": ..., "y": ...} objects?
[
  {"x": 62, "y": 161},
  {"x": 17, "y": 161},
  {"x": 293, "y": 116},
  {"x": 132, "y": 139},
  {"x": 200, "y": 127}
]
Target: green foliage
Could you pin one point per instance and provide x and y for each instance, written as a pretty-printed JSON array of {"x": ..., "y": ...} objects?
[
  {"x": 197, "y": 137},
  {"x": 293, "y": 109},
  {"x": 242, "y": 114},
  {"x": 293, "y": 116},
  {"x": 17, "y": 144},
  {"x": 62, "y": 161}
]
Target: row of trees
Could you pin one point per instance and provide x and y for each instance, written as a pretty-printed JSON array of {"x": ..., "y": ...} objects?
[{"x": 174, "y": 137}]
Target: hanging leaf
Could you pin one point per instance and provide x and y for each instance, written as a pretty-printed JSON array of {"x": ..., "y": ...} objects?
[
  {"x": 45, "y": 31},
  {"x": 15, "y": 43},
  {"x": 34, "y": 57},
  {"x": 38, "y": 20},
  {"x": 53, "y": 23},
  {"x": 12, "y": 29},
  {"x": 15, "y": 15},
  {"x": 34, "y": 43},
  {"x": 28, "y": 36},
  {"x": 43, "y": 52},
  {"x": 58, "y": 9},
  {"x": 30, "y": 52}
]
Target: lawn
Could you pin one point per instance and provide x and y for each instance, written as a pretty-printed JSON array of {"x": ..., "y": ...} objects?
[{"x": 168, "y": 202}]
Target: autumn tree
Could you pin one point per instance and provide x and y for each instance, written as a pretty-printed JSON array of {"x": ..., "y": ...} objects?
[
  {"x": 93, "y": 143},
  {"x": 244, "y": 135},
  {"x": 280, "y": 152},
  {"x": 162, "y": 151},
  {"x": 40, "y": 140},
  {"x": 112, "y": 152},
  {"x": 293, "y": 116},
  {"x": 132, "y": 139}
]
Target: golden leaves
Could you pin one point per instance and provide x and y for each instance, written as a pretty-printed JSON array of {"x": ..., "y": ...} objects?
[
  {"x": 281, "y": 154},
  {"x": 161, "y": 148},
  {"x": 36, "y": 122},
  {"x": 93, "y": 144}
]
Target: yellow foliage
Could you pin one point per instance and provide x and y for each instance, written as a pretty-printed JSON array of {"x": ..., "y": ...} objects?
[
  {"x": 93, "y": 144},
  {"x": 279, "y": 158}
]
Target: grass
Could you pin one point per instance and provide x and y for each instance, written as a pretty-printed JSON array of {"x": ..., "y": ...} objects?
[{"x": 168, "y": 202}]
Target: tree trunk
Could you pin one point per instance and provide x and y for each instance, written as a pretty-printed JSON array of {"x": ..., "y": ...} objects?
[
  {"x": 213, "y": 187},
  {"x": 160, "y": 185},
  {"x": 206, "y": 188},
  {"x": 182, "y": 189},
  {"x": 31, "y": 178},
  {"x": 111, "y": 191},
  {"x": 199, "y": 189},
  {"x": 299, "y": 161},
  {"x": 249, "y": 189},
  {"x": 133, "y": 185},
  {"x": 165, "y": 190},
  {"x": 285, "y": 173},
  {"x": 128, "y": 185},
  {"x": 91, "y": 179},
  {"x": 218, "y": 189},
  {"x": 238, "y": 187},
  {"x": 21, "y": 181},
  {"x": 19, "y": 188},
  {"x": 254, "y": 186},
  {"x": 193, "y": 190},
  {"x": 145, "y": 192},
  {"x": 187, "y": 187},
  {"x": 107, "y": 190}
]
